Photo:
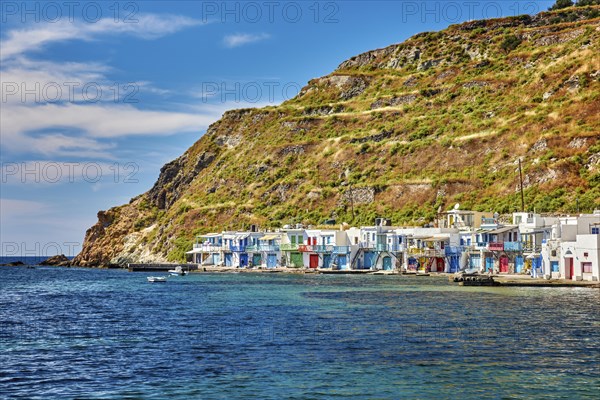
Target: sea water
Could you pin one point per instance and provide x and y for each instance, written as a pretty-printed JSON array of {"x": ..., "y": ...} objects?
[{"x": 85, "y": 333}]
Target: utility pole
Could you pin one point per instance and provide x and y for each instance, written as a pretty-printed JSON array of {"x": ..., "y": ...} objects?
[{"x": 521, "y": 180}]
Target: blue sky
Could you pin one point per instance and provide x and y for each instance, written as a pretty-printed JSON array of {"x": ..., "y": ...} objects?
[{"x": 97, "y": 96}]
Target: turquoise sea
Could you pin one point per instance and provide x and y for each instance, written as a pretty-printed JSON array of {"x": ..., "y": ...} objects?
[{"x": 108, "y": 334}]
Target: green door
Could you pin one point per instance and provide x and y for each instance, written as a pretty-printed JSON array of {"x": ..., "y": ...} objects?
[{"x": 296, "y": 260}]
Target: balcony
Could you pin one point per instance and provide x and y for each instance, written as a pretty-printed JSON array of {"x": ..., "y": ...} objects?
[
  {"x": 341, "y": 249},
  {"x": 434, "y": 253},
  {"x": 383, "y": 247},
  {"x": 452, "y": 250},
  {"x": 495, "y": 246},
  {"x": 323, "y": 248},
  {"x": 237, "y": 249},
  {"x": 367, "y": 245},
  {"x": 513, "y": 246},
  {"x": 208, "y": 248},
  {"x": 305, "y": 248},
  {"x": 531, "y": 247},
  {"x": 269, "y": 247},
  {"x": 262, "y": 247},
  {"x": 289, "y": 247}
]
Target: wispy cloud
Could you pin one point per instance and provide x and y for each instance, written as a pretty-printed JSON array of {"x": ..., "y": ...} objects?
[
  {"x": 73, "y": 126},
  {"x": 93, "y": 124},
  {"x": 148, "y": 26},
  {"x": 241, "y": 39}
]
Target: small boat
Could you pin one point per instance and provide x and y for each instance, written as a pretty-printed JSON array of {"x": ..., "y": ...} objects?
[
  {"x": 178, "y": 271},
  {"x": 153, "y": 279}
]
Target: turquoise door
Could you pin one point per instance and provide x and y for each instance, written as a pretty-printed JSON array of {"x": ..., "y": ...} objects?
[
  {"x": 554, "y": 266},
  {"x": 519, "y": 264},
  {"x": 326, "y": 260},
  {"x": 369, "y": 259},
  {"x": 387, "y": 263},
  {"x": 256, "y": 260},
  {"x": 228, "y": 259},
  {"x": 271, "y": 260},
  {"x": 475, "y": 261}
]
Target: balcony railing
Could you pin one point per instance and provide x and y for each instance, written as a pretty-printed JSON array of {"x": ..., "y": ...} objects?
[
  {"x": 238, "y": 248},
  {"x": 434, "y": 253},
  {"x": 341, "y": 249},
  {"x": 306, "y": 248},
  {"x": 262, "y": 247},
  {"x": 390, "y": 247},
  {"x": 289, "y": 247},
  {"x": 452, "y": 250},
  {"x": 367, "y": 245},
  {"x": 513, "y": 246},
  {"x": 322, "y": 248},
  {"x": 496, "y": 246},
  {"x": 530, "y": 247},
  {"x": 207, "y": 247}
]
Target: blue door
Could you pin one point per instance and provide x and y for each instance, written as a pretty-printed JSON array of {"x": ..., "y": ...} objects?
[
  {"x": 216, "y": 258},
  {"x": 387, "y": 263},
  {"x": 228, "y": 259},
  {"x": 369, "y": 259},
  {"x": 489, "y": 263},
  {"x": 271, "y": 260},
  {"x": 475, "y": 261},
  {"x": 243, "y": 259},
  {"x": 326, "y": 260},
  {"x": 342, "y": 262},
  {"x": 454, "y": 263},
  {"x": 554, "y": 266},
  {"x": 519, "y": 264}
]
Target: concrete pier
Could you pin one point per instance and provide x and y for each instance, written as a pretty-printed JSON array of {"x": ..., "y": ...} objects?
[{"x": 160, "y": 267}]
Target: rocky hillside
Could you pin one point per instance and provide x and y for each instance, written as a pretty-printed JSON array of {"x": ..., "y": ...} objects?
[{"x": 399, "y": 132}]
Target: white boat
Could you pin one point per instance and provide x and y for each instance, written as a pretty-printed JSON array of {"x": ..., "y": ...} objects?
[
  {"x": 157, "y": 279},
  {"x": 178, "y": 271}
]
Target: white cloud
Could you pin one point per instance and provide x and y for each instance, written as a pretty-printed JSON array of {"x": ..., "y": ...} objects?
[
  {"x": 148, "y": 26},
  {"x": 240, "y": 39},
  {"x": 93, "y": 123}
]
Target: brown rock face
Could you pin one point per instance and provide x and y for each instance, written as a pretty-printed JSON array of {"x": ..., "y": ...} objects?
[{"x": 59, "y": 260}]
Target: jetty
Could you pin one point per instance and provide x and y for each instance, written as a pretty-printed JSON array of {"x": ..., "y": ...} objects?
[{"x": 161, "y": 267}]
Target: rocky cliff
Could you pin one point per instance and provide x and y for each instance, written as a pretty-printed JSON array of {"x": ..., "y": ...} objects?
[{"x": 398, "y": 132}]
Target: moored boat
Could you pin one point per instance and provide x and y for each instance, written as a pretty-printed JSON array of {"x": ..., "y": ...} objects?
[
  {"x": 153, "y": 279},
  {"x": 178, "y": 271}
]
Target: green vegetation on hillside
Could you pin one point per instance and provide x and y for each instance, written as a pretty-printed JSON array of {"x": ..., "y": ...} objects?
[{"x": 400, "y": 132}]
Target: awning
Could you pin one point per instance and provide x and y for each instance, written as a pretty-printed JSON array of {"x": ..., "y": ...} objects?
[
  {"x": 195, "y": 251},
  {"x": 239, "y": 237},
  {"x": 269, "y": 237},
  {"x": 502, "y": 230},
  {"x": 436, "y": 238},
  {"x": 209, "y": 235}
]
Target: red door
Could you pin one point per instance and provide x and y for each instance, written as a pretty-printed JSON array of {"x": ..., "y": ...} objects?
[
  {"x": 314, "y": 260},
  {"x": 504, "y": 264},
  {"x": 568, "y": 268}
]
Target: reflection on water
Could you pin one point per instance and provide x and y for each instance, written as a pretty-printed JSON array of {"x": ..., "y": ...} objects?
[{"x": 109, "y": 334}]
